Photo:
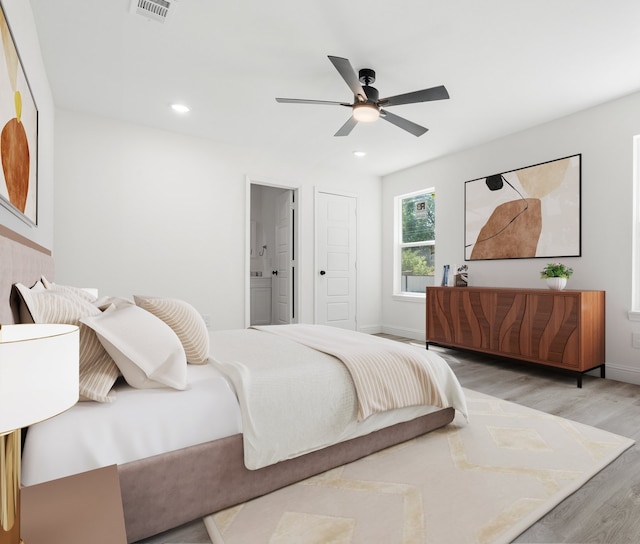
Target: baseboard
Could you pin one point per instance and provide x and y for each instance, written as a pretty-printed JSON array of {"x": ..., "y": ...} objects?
[
  {"x": 622, "y": 374},
  {"x": 370, "y": 329},
  {"x": 415, "y": 334}
]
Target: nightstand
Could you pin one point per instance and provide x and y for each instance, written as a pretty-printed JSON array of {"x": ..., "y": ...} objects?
[{"x": 79, "y": 509}]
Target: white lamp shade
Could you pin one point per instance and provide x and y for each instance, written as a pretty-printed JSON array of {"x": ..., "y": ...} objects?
[
  {"x": 365, "y": 113},
  {"x": 39, "y": 369}
]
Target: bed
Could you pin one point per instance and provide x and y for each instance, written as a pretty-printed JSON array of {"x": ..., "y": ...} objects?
[{"x": 176, "y": 461}]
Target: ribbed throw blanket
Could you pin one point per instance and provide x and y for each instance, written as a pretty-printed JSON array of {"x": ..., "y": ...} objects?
[
  {"x": 296, "y": 399},
  {"x": 386, "y": 374}
]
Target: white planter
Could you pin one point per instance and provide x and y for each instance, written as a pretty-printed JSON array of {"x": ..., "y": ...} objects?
[{"x": 557, "y": 284}]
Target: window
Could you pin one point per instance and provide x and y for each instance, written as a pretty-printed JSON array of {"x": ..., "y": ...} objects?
[{"x": 415, "y": 242}]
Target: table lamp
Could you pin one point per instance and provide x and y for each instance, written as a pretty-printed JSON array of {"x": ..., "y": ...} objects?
[{"x": 38, "y": 379}]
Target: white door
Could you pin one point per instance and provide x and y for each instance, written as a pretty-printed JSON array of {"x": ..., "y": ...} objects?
[
  {"x": 336, "y": 260},
  {"x": 284, "y": 269}
]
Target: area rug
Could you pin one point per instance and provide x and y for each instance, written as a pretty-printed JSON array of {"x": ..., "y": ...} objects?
[{"x": 484, "y": 481}]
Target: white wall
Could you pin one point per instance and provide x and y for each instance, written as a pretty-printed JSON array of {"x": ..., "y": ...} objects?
[
  {"x": 604, "y": 137},
  {"x": 144, "y": 211},
  {"x": 20, "y": 18}
]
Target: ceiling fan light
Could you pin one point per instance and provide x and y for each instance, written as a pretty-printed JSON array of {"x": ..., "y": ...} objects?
[{"x": 365, "y": 113}]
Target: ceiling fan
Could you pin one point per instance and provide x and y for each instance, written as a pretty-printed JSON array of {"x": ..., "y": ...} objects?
[{"x": 367, "y": 107}]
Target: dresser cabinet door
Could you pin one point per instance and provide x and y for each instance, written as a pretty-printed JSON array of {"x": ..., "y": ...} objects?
[
  {"x": 460, "y": 317},
  {"x": 555, "y": 333},
  {"x": 440, "y": 320},
  {"x": 473, "y": 311},
  {"x": 510, "y": 324}
]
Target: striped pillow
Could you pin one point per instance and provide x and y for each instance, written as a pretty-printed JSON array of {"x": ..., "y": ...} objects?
[
  {"x": 185, "y": 321},
  {"x": 98, "y": 371}
]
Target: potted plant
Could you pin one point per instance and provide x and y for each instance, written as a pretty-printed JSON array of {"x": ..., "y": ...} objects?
[{"x": 556, "y": 275}]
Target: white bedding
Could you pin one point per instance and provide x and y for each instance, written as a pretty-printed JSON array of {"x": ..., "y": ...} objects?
[
  {"x": 295, "y": 399},
  {"x": 140, "y": 423},
  {"x": 305, "y": 401}
]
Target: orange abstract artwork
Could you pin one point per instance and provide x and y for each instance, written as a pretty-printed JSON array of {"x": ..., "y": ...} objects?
[
  {"x": 525, "y": 213},
  {"x": 18, "y": 138}
]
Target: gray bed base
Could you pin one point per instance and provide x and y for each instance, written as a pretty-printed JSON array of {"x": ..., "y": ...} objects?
[{"x": 168, "y": 490}]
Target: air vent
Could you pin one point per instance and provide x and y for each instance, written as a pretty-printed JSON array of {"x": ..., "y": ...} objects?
[{"x": 156, "y": 10}]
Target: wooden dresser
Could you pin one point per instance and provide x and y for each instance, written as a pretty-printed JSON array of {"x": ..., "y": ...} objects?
[{"x": 563, "y": 329}]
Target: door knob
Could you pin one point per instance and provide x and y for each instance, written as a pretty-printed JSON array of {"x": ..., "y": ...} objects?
[
  {"x": 322, "y": 272},
  {"x": 274, "y": 272}
]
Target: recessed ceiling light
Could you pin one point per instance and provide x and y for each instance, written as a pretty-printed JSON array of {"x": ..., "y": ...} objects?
[
  {"x": 360, "y": 153},
  {"x": 180, "y": 108}
]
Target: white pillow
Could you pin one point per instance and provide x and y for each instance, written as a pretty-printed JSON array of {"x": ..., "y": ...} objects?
[
  {"x": 186, "y": 322},
  {"x": 98, "y": 372},
  {"x": 146, "y": 350},
  {"x": 78, "y": 291},
  {"x": 103, "y": 303}
]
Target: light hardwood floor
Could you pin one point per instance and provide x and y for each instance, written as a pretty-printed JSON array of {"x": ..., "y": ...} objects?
[{"x": 606, "y": 510}]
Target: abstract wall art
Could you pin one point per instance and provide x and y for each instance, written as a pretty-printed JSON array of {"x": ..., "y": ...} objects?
[
  {"x": 525, "y": 213},
  {"x": 19, "y": 133}
]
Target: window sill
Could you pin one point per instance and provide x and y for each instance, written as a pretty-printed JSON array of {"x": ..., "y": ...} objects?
[{"x": 409, "y": 297}]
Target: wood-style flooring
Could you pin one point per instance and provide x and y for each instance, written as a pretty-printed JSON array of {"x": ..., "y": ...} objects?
[{"x": 606, "y": 510}]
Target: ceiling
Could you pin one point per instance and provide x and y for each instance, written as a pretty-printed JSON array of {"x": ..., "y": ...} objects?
[{"x": 508, "y": 65}]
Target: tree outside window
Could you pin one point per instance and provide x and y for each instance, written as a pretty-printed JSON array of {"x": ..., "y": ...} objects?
[{"x": 417, "y": 241}]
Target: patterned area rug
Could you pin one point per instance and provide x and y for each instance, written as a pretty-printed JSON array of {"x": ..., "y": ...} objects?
[{"x": 484, "y": 481}]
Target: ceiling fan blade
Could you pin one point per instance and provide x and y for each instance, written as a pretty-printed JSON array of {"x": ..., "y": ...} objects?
[
  {"x": 434, "y": 93},
  {"x": 349, "y": 75},
  {"x": 347, "y": 127},
  {"x": 403, "y": 123},
  {"x": 304, "y": 101}
]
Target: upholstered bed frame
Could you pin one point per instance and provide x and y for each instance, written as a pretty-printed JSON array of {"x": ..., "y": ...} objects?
[{"x": 165, "y": 491}]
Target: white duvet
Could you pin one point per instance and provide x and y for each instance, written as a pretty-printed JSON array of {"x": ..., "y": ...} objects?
[{"x": 295, "y": 399}]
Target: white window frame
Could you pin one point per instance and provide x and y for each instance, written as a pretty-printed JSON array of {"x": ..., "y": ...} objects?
[
  {"x": 398, "y": 246},
  {"x": 634, "y": 314}
]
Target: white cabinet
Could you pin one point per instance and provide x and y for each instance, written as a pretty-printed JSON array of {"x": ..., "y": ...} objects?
[{"x": 260, "y": 301}]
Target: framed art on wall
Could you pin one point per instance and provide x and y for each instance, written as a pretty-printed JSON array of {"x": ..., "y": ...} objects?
[
  {"x": 19, "y": 133},
  {"x": 525, "y": 213}
]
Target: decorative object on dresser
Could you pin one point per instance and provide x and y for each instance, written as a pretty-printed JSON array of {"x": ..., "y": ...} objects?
[
  {"x": 562, "y": 329},
  {"x": 557, "y": 284},
  {"x": 461, "y": 277},
  {"x": 38, "y": 380},
  {"x": 556, "y": 275},
  {"x": 446, "y": 269}
]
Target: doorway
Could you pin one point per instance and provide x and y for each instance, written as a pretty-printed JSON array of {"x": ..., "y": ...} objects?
[{"x": 272, "y": 297}]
